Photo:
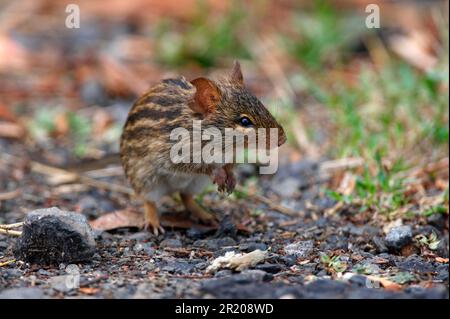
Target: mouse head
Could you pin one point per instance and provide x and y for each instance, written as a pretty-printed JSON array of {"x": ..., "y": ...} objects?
[{"x": 226, "y": 103}]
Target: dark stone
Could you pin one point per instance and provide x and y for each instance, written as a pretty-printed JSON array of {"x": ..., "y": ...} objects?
[
  {"x": 379, "y": 244},
  {"x": 442, "y": 248},
  {"x": 249, "y": 247},
  {"x": 439, "y": 292},
  {"x": 270, "y": 268},
  {"x": 438, "y": 220},
  {"x": 334, "y": 242},
  {"x": 196, "y": 233},
  {"x": 215, "y": 243},
  {"x": 416, "y": 264},
  {"x": 93, "y": 93},
  {"x": 180, "y": 267},
  {"x": 326, "y": 288},
  {"x": 53, "y": 236},
  {"x": 11, "y": 273},
  {"x": 223, "y": 273},
  {"x": 358, "y": 280},
  {"x": 289, "y": 260},
  {"x": 442, "y": 271},
  {"x": 398, "y": 237},
  {"x": 226, "y": 228}
]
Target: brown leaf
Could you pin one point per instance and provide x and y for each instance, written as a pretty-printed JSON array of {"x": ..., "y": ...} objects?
[
  {"x": 11, "y": 130},
  {"x": 89, "y": 290},
  {"x": 389, "y": 285},
  {"x": 101, "y": 122},
  {"x": 128, "y": 218},
  {"x": 441, "y": 260},
  {"x": 61, "y": 124},
  {"x": 6, "y": 114},
  {"x": 12, "y": 55},
  {"x": 118, "y": 219}
]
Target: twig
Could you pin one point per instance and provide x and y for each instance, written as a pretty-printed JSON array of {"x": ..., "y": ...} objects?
[
  {"x": 279, "y": 208},
  {"x": 10, "y": 232},
  {"x": 105, "y": 172},
  {"x": 72, "y": 177},
  {"x": 303, "y": 142},
  {"x": 341, "y": 163},
  {"x": 50, "y": 170},
  {"x": 10, "y": 226},
  {"x": 434, "y": 167},
  {"x": 6, "y": 263},
  {"x": 10, "y": 195}
]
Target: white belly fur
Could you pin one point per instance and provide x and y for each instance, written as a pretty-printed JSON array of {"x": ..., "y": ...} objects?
[{"x": 169, "y": 184}]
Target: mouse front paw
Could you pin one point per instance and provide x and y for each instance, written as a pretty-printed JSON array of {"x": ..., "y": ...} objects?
[
  {"x": 219, "y": 176},
  {"x": 225, "y": 179}
]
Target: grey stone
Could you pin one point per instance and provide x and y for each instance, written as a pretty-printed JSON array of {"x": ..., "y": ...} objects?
[
  {"x": 300, "y": 249},
  {"x": 22, "y": 293},
  {"x": 171, "y": 242},
  {"x": 145, "y": 248},
  {"x": 287, "y": 188},
  {"x": 379, "y": 244},
  {"x": 398, "y": 237},
  {"x": 256, "y": 275},
  {"x": 53, "y": 236}
]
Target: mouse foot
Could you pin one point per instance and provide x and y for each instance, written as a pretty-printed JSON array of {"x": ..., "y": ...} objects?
[{"x": 152, "y": 219}]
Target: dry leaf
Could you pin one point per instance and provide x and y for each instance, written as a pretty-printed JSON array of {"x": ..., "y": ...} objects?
[
  {"x": 118, "y": 219},
  {"x": 395, "y": 223},
  {"x": 411, "y": 49},
  {"x": 128, "y": 218},
  {"x": 12, "y": 55},
  {"x": 88, "y": 290},
  {"x": 388, "y": 284},
  {"x": 11, "y": 130},
  {"x": 441, "y": 260},
  {"x": 348, "y": 183},
  {"x": 6, "y": 114}
]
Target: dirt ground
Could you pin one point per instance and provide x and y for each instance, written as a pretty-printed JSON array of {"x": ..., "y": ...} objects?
[{"x": 64, "y": 98}]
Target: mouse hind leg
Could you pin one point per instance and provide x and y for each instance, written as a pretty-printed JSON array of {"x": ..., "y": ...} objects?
[
  {"x": 196, "y": 210},
  {"x": 151, "y": 218}
]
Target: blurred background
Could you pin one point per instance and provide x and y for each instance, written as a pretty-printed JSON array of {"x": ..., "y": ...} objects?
[{"x": 377, "y": 97}]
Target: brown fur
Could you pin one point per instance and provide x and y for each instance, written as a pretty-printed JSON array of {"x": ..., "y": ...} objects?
[{"x": 145, "y": 144}]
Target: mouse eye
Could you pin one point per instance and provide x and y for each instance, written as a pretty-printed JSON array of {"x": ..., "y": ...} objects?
[{"x": 245, "y": 121}]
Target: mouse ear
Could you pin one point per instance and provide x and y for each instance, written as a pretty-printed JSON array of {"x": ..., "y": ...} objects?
[
  {"x": 206, "y": 97},
  {"x": 236, "y": 73}
]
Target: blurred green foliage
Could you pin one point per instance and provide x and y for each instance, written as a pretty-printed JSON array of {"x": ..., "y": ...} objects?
[
  {"x": 323, "y": 37},
  {"x": 204, "y": 40}
]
